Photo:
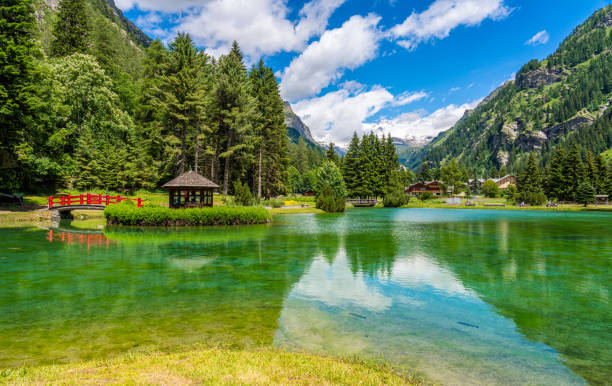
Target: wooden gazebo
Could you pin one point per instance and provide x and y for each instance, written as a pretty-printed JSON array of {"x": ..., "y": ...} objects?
[{"x": 190, "y": 190}]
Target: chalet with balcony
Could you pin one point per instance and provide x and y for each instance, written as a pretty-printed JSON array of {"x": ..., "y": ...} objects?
[{"x": 433, "y": 187}]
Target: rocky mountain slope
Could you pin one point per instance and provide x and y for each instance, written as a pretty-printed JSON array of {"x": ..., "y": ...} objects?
[
  {"x": 296, "y": 128},
  {"x": 408, "y": 147},
  {"x": 564, "y": 98}
]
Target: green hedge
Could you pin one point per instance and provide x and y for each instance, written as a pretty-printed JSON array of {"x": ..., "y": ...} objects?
[{"x": 151, "y": 215}]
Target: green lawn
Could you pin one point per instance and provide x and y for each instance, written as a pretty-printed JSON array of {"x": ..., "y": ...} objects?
[{"x": 214, "y": 366}]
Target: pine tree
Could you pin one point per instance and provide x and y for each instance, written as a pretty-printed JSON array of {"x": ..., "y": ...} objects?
[
  {"x": 529, "y": 183},
  {"x": 585, "y": 194},
  {"x": 332, "y": 155},
  {"x": 232, "y": 96},
  {"x": 270, "y": 132},
  {"x": 391, "y": 163},
  {"x": 475, "y": 187},
  {"x": 71, "y": 29},
  {"x": 149, "y": 113},
  {"x": 17, "y": 26},
  {"x": 573, "y": 169},
  {"x": 184, "y": 97},
  {"x": 590, "y": 167},
  {"x": 601, "y": 180},
  {"x": 556, "y": 184},
  {"x": 350, "y": 168}
]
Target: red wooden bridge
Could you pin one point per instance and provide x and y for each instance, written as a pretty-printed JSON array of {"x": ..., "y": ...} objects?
[{"x": 66, "y": 203}]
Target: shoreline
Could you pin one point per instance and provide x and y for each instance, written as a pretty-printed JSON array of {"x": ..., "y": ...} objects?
[{"x": 10, "y": 218}]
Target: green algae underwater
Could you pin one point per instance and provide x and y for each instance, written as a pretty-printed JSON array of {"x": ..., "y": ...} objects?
[{"x": 484, "y": 297}]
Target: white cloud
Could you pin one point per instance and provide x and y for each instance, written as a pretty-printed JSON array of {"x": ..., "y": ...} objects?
[
  {"x": 419, "y": 123},
  {"x": 159, "y": 5},
  {"x": 334, "y": 116},
  {"x": 345, "y": 288},
  {"x": 541, "y": 37},
  {"x": 324, "y": 61},
  {"x": 261, "y": 27},
  {"x": 409, "y": 97},
  {"x": 444, "y": 15}
]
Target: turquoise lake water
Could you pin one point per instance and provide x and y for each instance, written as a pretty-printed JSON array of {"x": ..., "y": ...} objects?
[{"x": 461, "y": 296}]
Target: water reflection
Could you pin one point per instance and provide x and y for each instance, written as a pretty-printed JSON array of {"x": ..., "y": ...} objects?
[
  {"x": 87, "y": 239},
  {"x": 463, "y": 296}
]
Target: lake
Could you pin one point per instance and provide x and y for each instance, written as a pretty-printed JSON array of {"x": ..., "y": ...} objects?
[{"x": 461, "y": 296}]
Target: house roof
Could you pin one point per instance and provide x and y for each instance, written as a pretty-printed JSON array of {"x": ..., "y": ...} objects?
[{"x": 190, "y": 179}]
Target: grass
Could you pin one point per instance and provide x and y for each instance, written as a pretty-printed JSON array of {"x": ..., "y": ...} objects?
[
  {"x": 275, "y": 211},
  {"x": 214, "y": 366}
]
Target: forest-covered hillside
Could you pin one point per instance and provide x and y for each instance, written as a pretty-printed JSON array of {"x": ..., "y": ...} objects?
[
  {"x": 90, "y": 102},
  {"x": 563, "y": 99}
]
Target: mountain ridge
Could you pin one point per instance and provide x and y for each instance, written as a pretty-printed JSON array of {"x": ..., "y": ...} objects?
[{"x": 548, "y": 103}]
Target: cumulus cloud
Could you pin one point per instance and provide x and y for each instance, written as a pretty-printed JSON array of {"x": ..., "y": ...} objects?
[
  {"x": 541, "y": 37},
  {"x": 420, "y": 123},
  {"x": 324, "y": 61},
  {"x": 334, "y": 116},
  {"x": 442, "y": 16},
  {"x": 159, "y": 5},
  {"x": 262, "y": 27}
]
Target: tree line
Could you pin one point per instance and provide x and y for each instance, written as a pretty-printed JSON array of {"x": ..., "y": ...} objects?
[
  {"x": 73, "y": 118},
  {"x": 572, "y": 175}
]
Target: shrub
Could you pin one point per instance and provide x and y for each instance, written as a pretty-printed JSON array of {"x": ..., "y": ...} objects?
[
  {"x": 395, "y": 199},
  {"x": 425, "y": 196},
  {"x": 490, "y": 189},
  {"x": 125, "y": 214},
  {"x": 242, "y": 194},
  {"x": 274, "y": 203},
  {"x": 330, "y": 202},
  {"x": 511, "y": 193},
  {"x": 531, "y": 198},
  {"x": 330, "y": 175}
]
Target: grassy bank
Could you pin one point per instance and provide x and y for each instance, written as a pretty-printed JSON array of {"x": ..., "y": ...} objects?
[
  {"x": 127, "y": 213},
  {"x": 212, "y": 366}
]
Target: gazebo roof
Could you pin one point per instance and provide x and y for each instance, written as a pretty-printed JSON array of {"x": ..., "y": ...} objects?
[{"x": 190, "y": 180}]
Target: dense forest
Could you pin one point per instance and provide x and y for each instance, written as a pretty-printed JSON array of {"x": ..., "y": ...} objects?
[
  {"x": 74, "y": 114},
  {"x": 563, "y": 100}
]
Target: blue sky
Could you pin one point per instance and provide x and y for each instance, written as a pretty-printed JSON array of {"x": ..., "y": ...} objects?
[{"x": 410, "y": 68}]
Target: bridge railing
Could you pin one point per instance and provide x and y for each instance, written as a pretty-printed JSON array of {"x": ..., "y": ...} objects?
[{"x": 90, "y": 199}]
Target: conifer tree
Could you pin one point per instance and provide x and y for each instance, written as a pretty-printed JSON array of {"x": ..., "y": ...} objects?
[
  {"x": 149, "y": 112},
  {"x": 585, "y": 194},
  {"x": 529, "y": 183},
  {"x": 71, "y": 29},
  {"x": 270, "y": 132},
  {"x": 391, "y": 163},
  {"x": 573, "y": 169},
  {"x": 17, "y": 67},
  {"x": 475, "y": 186},
  {"x": 590, "y": 169},
  {"x": 332, "y": 155},
  {"x": 235, "y": 107},
  {"x": 529, "y": 180},
  {"x": 351, "y": 169},
  {"x": 184, "y": 97},
  {"x": 601, "y": 180},
  {"x": 556, "y": 179}
]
